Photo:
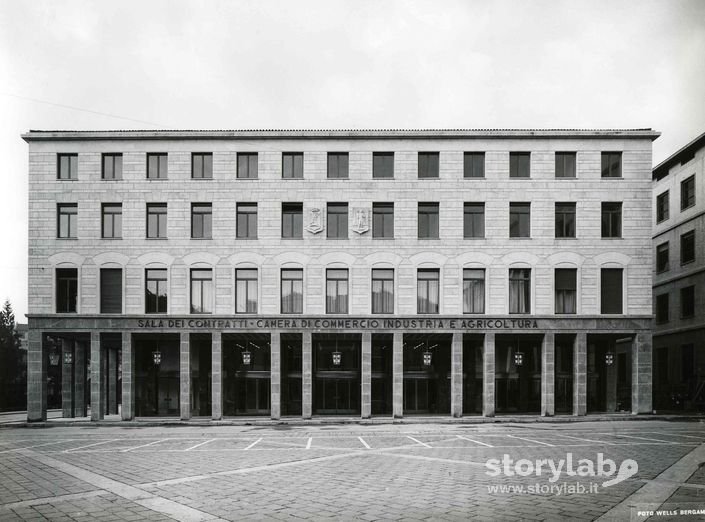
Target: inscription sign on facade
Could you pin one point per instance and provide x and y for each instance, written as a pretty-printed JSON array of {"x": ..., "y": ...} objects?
[
  {"x": 341, "y": 324},
  {"x": 361, "y": 220},
  {"x": 315, "y": 221}
]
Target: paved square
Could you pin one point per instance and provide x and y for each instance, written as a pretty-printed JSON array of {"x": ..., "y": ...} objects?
[{"x": 350, "y": 472}]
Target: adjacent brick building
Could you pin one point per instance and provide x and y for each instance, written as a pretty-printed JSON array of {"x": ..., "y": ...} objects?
[
  {"x": 358, "y": 273},
  {"x": 679, "y": 279}
]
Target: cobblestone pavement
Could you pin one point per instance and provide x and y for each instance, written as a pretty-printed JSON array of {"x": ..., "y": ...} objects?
[{"x": 352, "y": 472}]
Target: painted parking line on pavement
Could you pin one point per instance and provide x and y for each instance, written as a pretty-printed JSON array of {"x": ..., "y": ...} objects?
[
  {"x": 364, "y": 443},
  {"x": 308, "y": 444},
  {"x": 199, "y": 444},
  {"x": 531, "y": 440},
  {"x": 143, "y": 445},
  {"x": 643, "y": 438},
  {"x": 475, "y": 441},
  {"x": 584, "y": 439},
  {"x": 36, "y": 446},
  {"x": 418, "y": 441},
  {"x": 89, "y": 445},
  {"x": 253, "y": 444},
  {"x": 676, "y": 434}
]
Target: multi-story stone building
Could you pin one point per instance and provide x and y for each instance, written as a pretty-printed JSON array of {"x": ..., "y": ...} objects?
[
  {"x": 359, "y": 273},
  {"x": 679, "y": 279}
]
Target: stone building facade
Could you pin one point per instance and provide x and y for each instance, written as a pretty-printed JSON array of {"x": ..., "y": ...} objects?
[
  {"x": 679, "y": 279},
  {"x": 357, "y": 273}
]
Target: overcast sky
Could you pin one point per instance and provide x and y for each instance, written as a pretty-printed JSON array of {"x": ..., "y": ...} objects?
[{"x": 338, "y": 64}]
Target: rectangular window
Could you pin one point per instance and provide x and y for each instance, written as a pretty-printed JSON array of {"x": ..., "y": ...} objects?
[
  {"x": 382, "y": 291},
  {"x": 688, "y": 302},
  {"x": 565, "y": 164},
  {"x": 565, "y": 220},
  {"x": 246, "y": 291},
  {"x": 247, "y": 165},
  {"x": 566, "y": 290},
  {"x": 201, "y": 291},
  {"x": 337, "y": 221},
  {"x": 293, "y": 165},
  {"x": 292, "y": 220},
  {"x": 428, "y": 164},
  {"x": 247, "y": 220},
  {"x": 688, "y": 192},
  {"x": 112, "y": 166},
  {"x": 428, "y": 291},
  {"x": 611, "y": 219},
  {"x": 611, "y": 290},
  {"x": 67, "y": 166},
  {"x": 473, "y": 290},
  {"x": 382, "y": 164},
  {"x": 67, "y": 220},
  {"x": 201, "y": 220},
  {"x": 337, "y": 164},
  {"x": 428, "y": 221},
  {"x": 519, "y": 219},
  {"x": 662, "y": 207},
  {"x": 112, "y": 220},
  {"x": 155, "y": 292},
  {"x": 662, "y": 308},
  {"x": 519, "y": 290},
  {"x": 202, "y": 165},
  {"x": 111, "y": 290},
  {"x": 474, "y": 165},
  {"x": 292, "y": 291},
  {"x": 66, "y": 290},
  {"x": 473, "y": 220},
  {"x": 337, "y": 291},
  {"x": 383, "y": 220},
  {"x": 519, "y": 164},
  {"x": 156, "y": 220},
  {"x": 611, "y": 164},
  {"x": 662, "y": 257},
  {"x": 688, "y": 247},
  {"x": 157, "y": 166}
]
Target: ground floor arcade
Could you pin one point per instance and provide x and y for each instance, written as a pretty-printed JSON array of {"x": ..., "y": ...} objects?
[{"x": 364, "y": 368}]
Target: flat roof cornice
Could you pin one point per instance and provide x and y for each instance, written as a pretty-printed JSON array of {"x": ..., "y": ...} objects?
[{"x": 66, "y": 135}]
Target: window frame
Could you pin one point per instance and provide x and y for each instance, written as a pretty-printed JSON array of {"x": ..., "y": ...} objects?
[
  {"x": 430, "y": 166},
  {"x": 562, "y": 210},
  {"x": 72, "y": 158},
  {"x": 565, "y": 290},
  {"x": 381, "y": 166},
  {"x": 662, "y": 207},
  {"x": 114, "y": 223},
  {"x": 608, "y": 299},
  {"x": 517, "y": 210},
  {"x": 293, "y": 299},
  {"x": 114, "y": 157},
  {"x": 467, "y": 288},
  {"x": 428, "y": 288},
  {"x": 252, "y": 164},
  {"x": 102, "y": 283},
  {"x": 561, "y": 159},
  {"x": 339, "y": 212},
  {"x": 159, "y": 156},
  {"x": 382, "y": 211},
  {"x": 473, "y": 161},
  {"x": 244, "y": 218},
  {"x": 335, "y": 169},
  {"x": 522, "y": 278},
  {"x": 662, "y": 308},
  {"x": 662, "y": 251},
  {"x": 69, "y": 211},
  {"x": 607, "y": 164},
  {"x": 205, "y": 167},
  {"x": 337, "y": 299},
  {"x": 295, "y": 158},
  {"x": 610, "y": 209},
  {"x": 295, "y": 212},
  {"x": 690, "y": 313},
  {"x": 147, "y": 280},
  {"x": 251, "y": 287},
  {"x": 205, "y": 212},
  {"x": 386, "y": 282},
  {"x": 202, "y": 285},
  {"x": 72, "y": 289},
  {"x": 518, "y": 160},
  {"x": 468, "y": 207},
  {"x": 426, "y": 210},
  {"x": 687, "y": 242},
  {"x": 157, "y": 209},
  {"x": 688, "y": 196}
]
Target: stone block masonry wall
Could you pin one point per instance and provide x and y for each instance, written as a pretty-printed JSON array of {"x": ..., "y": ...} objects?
[{"x": 359, "y": 253}]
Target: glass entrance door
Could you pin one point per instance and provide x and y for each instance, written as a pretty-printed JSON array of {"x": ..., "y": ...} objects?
[{"x": 336, "y": 383}]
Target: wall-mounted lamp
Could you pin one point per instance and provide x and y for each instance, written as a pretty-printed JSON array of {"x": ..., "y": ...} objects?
[
  {"x": 609, "y": 358},
  {"x": 157, "y": 357}
]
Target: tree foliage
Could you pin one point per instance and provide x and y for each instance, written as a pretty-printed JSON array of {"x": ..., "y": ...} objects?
[{"x": 13, "y": 374}]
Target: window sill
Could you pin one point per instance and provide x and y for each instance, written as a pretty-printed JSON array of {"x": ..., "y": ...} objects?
[
  {"x": 683, "y": 209},
  {"x": 292, "y": 238},
  {"x": 66, "y": 179},
  {"x": 611, "y": 177},
  {"x": 474, "y": 237},
  {"x": 111, "y": 179},
  {"x": 157, "y": 179},
  {"x": 429, "y": 239},
  {"x": 520, "y": 237},
  {"x": 202, "y": 238},
  {"x": 201, "y": 179},
  {"x": 157, "y": 238},
  {"x": 383, "y": 238},
  {"x": 688, "y": 262},
  {"x": 67, "y": 238},
  {"x": 474, "y": 177},
  {"x": 572, "y": 238},
  {"x": 246, "y": 238},
  {"x": 613, "y": 238}
]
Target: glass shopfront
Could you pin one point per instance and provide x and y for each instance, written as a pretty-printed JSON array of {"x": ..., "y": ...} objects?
[
  {"x": 336, "y": 374},
  {"x": 427, "y": 373}
]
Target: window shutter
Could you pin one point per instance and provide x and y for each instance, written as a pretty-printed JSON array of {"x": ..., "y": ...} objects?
[{"x": 110, "y": 290}]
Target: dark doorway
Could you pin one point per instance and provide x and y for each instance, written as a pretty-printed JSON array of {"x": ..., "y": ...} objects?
[
  {"x": 246, "y": 374},
  {"x": 564, "y": 370},
  {"x": 473, "y": 346},
  {"x": 608, "y": 373},
  {"x": 427, "y": 373},
  {"x": 201, "y": 357},
  {"x": 382, "y": 379},
  {"x": 336, "y": 372},
  {"x": 518, "y": 374},
  {"x": 156, "y": 375},
  {"x": 291, "y": 390},
  {"x": 52, "y": 362}
]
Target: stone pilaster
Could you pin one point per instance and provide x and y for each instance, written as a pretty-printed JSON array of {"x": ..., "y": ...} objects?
[
  {"x": 185, "y": 376},
  {"x": 488, "y": 375},
  {"x": 128, "y": 377},
  {"x": 306, "y": 376},
  {"x": 79, "y": 379},
  {"x": 275, "y": 374},
  {"x": 366, "y": 384},
  {"x": 456, "y": 375},
  {"x": 66, "y": 378},
  {"x": 97, "y": 378},
  {"x": 216, "y": 375},
  {"x": 548, "y": 375},
  {"x": 642, "y": 346},
  {"x": 398, "y": 375},
  {"x": 112, "y": 379},
  {"x": 580, "y": 374},
  {"x": 36, "y": 376}
]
